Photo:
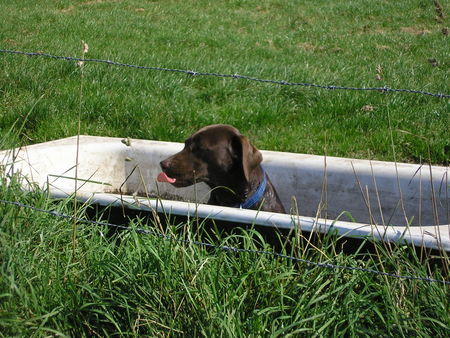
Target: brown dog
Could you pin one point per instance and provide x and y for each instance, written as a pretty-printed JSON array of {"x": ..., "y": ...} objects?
[{"x": 226, "y": 161}]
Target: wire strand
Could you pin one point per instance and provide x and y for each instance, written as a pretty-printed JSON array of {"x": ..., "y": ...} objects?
[{"x": 384, "y": 89}]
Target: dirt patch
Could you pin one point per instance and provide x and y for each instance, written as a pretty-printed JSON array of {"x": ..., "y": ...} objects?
[
  {"x": 87, "y": 3},
  {"x": 10, "y": 42},
  {"x": 307, "y": 46},
  {"x": 67, "y": 9},
  {"x": 415, "y": 30},
  {"x": 440, "y": 16}
]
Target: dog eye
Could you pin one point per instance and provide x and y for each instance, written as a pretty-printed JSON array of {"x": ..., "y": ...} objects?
[{"x": 190, "y": 145}]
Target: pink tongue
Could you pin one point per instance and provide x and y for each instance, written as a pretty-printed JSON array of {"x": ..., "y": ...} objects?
[{"x": 162, "y": 177}]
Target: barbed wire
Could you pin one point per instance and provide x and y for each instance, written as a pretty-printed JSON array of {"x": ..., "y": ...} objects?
[
  {"x": 225, "y": 248},
  {"x": 384, "y": 89}
]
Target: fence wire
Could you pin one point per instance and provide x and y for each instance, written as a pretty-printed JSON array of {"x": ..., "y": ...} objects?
[
  {"x": 225, "y": 248},
  {"x": 384, "y": 89}
]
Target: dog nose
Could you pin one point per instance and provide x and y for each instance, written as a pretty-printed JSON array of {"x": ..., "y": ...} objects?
[{"x": 164, "y": 164}]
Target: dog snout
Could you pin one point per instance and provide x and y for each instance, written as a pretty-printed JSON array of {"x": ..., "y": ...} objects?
[{"x": 165, "y": 164}]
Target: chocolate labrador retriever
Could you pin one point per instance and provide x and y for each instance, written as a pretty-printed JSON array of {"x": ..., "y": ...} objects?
[{"x": 228, "y": 163}]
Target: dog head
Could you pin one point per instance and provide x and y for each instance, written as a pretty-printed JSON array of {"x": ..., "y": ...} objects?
[{"x": 217, "y": 155}]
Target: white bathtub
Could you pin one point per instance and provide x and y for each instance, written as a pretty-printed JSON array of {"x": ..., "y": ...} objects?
[{"x": 357, "y": 198}]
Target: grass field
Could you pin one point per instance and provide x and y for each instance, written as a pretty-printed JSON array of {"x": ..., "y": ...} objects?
[
  {"x": 134, "y": 285},
  {"x": 324, "y": 42}
]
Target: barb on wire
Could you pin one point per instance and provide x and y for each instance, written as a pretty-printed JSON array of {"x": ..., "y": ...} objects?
[
  {"x": 233, "y": 76},
  {"x": 225, "y": 248}
]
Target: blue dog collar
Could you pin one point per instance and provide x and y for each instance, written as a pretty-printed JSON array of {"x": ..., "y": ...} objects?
[{"x": 257, "y": 195}]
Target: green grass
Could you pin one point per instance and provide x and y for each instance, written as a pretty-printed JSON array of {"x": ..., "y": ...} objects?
[
  {"x": 324, "y": 42},
  {"x": 134, "y": 285}
]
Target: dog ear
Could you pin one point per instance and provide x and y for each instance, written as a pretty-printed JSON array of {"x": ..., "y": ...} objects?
[{"x": 250, "y": 157}]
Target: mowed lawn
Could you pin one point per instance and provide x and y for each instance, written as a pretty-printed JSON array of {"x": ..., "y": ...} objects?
[
  {"x": 344, "y": 43},
  {"x": 127, "y": 284}
]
